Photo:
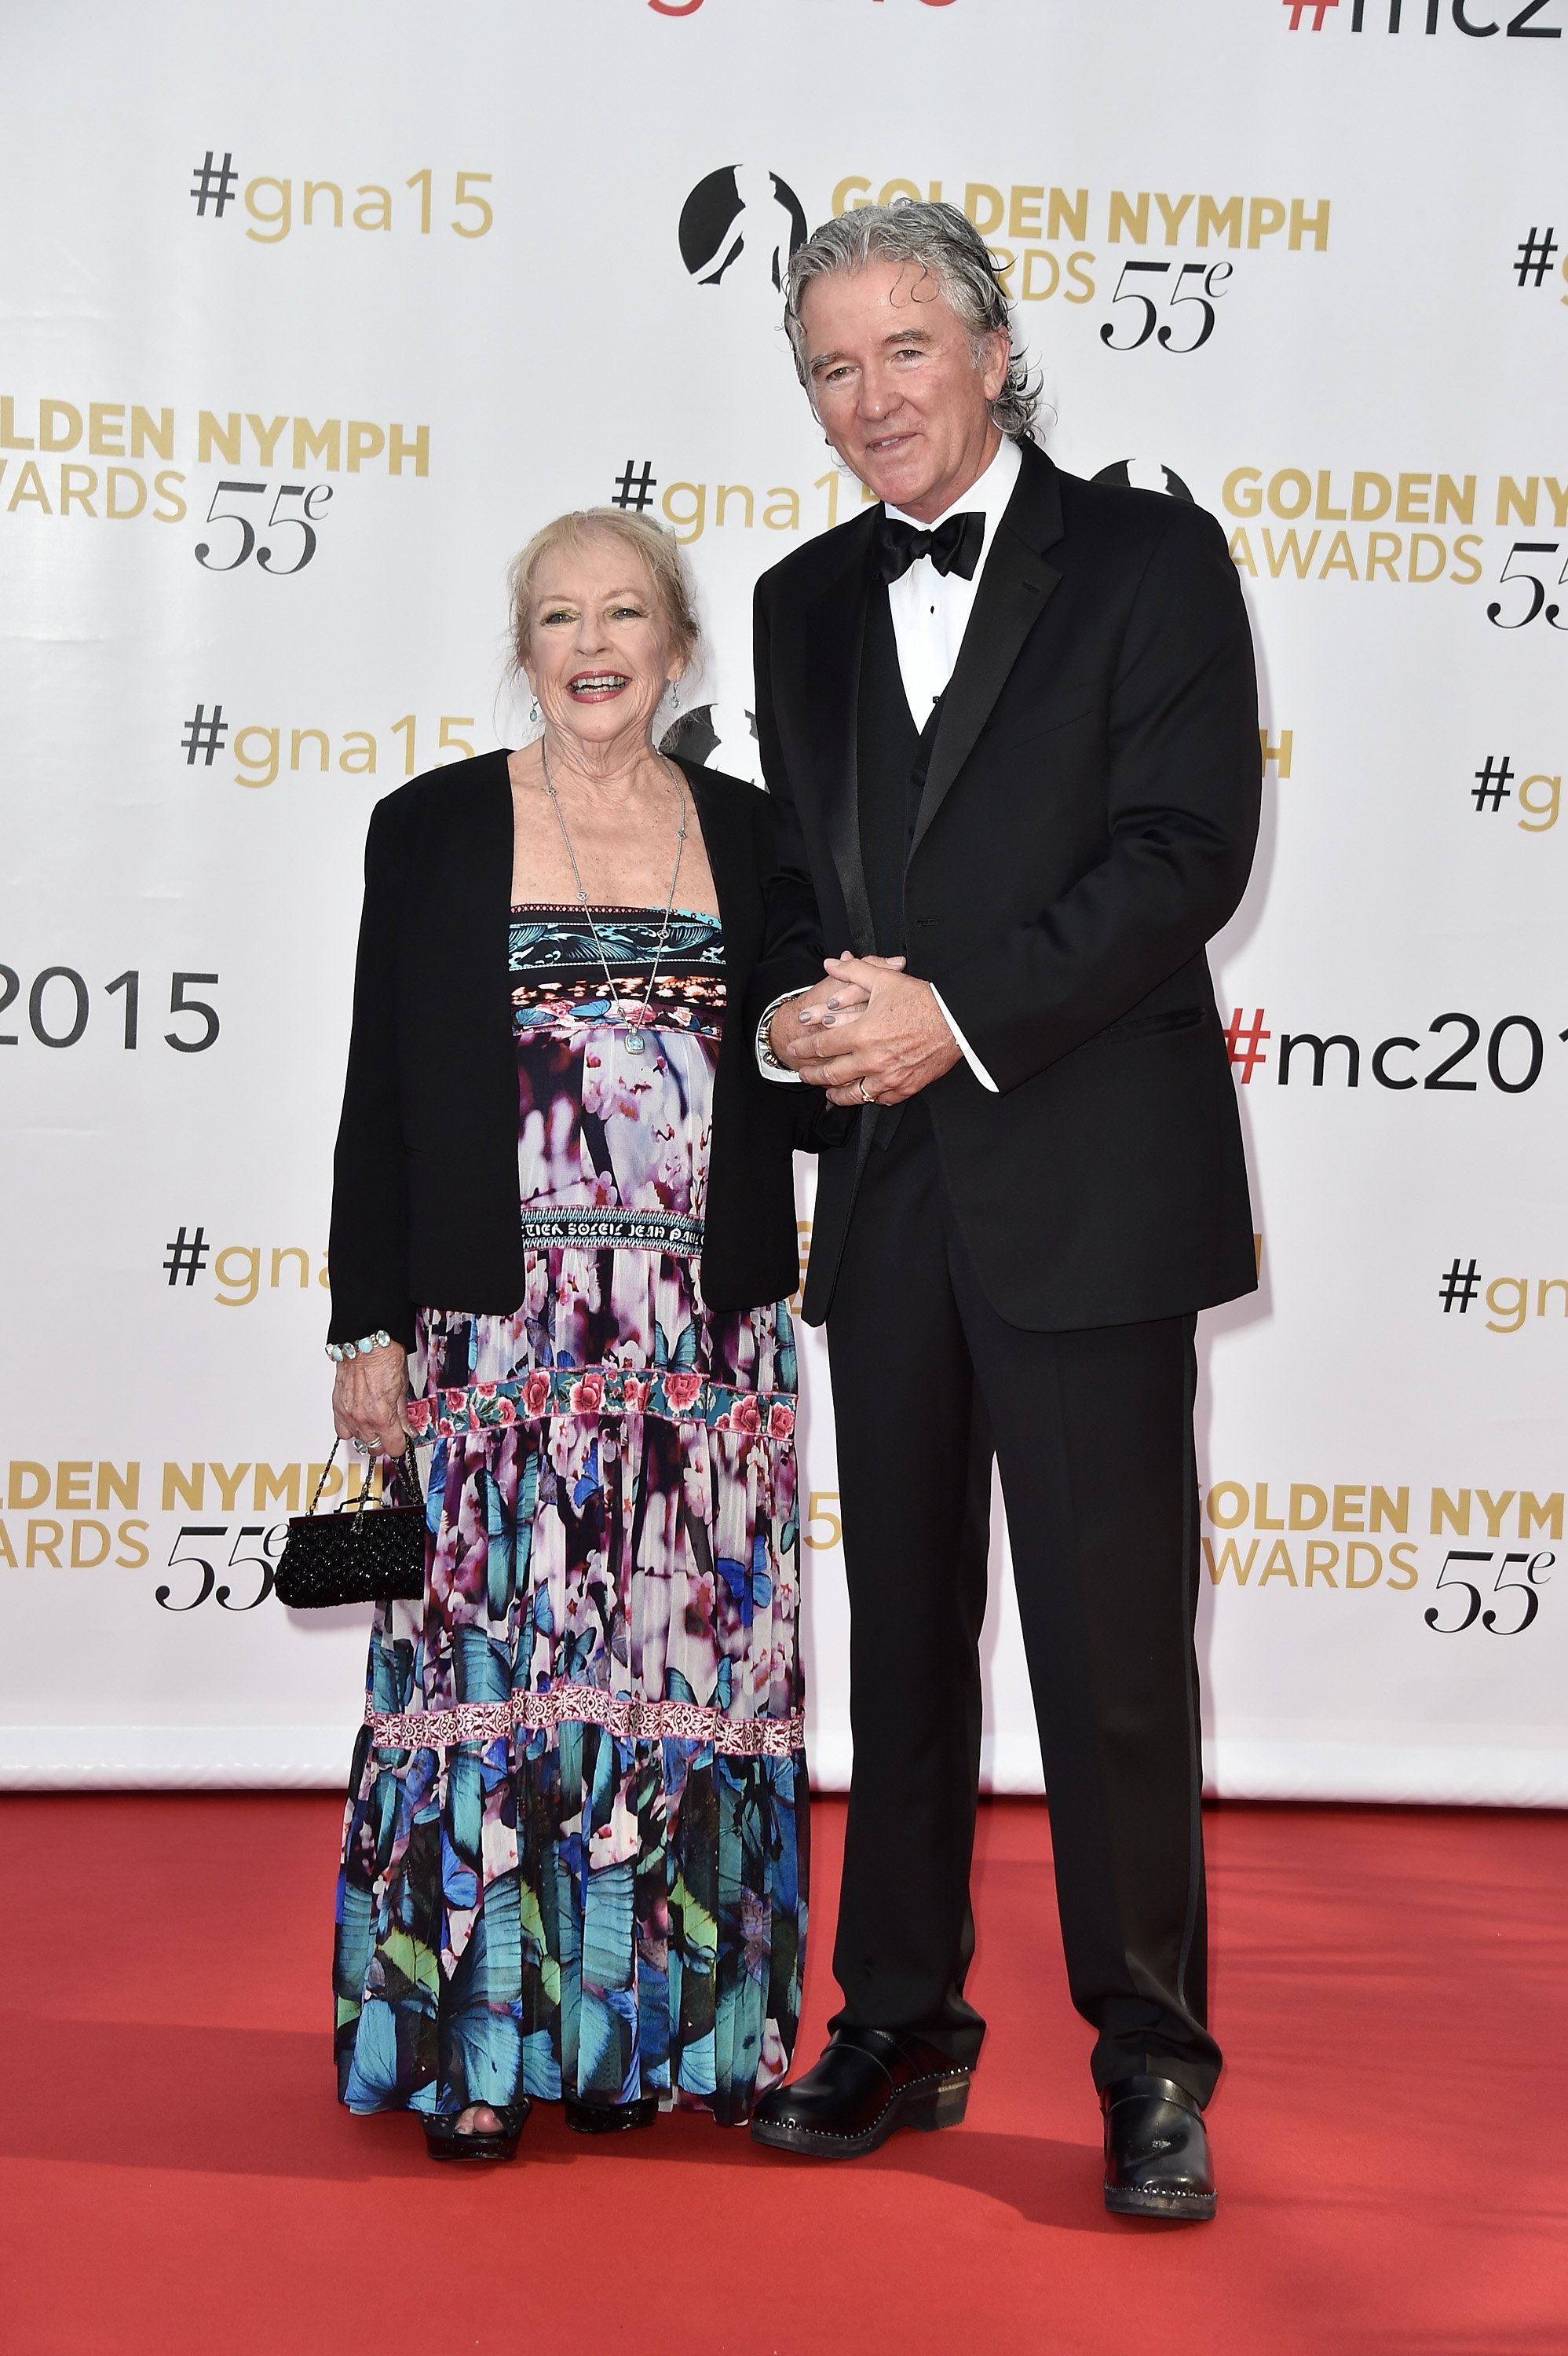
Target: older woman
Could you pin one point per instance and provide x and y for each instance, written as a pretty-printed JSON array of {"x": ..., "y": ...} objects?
[{"x": 562, "y": 1238}]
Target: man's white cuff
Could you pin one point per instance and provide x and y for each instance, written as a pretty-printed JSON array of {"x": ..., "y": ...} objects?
[
  {"x": 965, "y": 1049},
  {"x": 768, "y": 1063}
]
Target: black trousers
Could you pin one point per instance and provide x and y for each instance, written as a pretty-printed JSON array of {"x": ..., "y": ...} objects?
[{"x": 1093, "y": 1434}]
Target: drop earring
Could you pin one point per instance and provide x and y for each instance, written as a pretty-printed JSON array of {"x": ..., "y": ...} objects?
[
  {"x": 534, "y": 712},
  {"x": 674, "y": 696}
]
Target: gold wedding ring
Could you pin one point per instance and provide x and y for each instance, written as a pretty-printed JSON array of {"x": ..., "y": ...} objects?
[{"x": 866, "y": 1096}]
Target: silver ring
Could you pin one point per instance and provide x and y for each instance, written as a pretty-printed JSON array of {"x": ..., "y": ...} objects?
[
  {"x": 360, "y": 1446},
  {"x": 866, "y": 1096}
]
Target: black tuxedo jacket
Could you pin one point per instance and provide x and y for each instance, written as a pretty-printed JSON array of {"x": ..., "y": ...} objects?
[
  {"x": 424, "y": 1198},
  {"x": 1087, "y": 824}
]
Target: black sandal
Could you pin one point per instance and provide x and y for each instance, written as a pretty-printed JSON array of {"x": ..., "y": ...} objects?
[
  {"x": 610, "y": 2119},
  {"x": 444, "y": 2140}
]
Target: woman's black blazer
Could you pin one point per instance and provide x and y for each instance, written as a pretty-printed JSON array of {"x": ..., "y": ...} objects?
[{"x": 424, "y": 1197}]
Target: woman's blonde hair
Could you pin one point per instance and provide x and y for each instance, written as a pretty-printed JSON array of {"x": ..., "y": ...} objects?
[{"x": 656, "y": 549}]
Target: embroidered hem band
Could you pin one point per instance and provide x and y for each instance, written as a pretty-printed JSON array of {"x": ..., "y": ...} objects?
[
  {"x": 611, "y": 1229},
  {"x": 621, "y": 1714}
]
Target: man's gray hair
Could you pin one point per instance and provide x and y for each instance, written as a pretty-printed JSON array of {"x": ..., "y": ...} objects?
[{"x": 938, "y": 242}]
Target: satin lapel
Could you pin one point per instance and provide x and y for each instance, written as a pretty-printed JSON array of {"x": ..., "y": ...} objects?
[
  {"x": 835, "y": 642},
  {"x": 1013, "y": 591}
]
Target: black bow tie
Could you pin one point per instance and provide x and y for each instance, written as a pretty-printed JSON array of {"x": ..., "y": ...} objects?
[{"x": 954, "y": 547}]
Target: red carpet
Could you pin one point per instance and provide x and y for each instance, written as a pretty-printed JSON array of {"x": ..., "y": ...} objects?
[{"x": 174, "y": 2175}]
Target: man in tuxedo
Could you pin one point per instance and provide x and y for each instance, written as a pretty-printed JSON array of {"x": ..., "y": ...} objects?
[{"x": 1009, "y": 722}]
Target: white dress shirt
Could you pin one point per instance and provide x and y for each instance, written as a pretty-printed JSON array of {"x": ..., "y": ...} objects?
[{"x": 931, "y": 612}]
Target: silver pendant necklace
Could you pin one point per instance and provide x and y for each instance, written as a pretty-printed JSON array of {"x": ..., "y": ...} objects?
[{"x": 635, "y": 1018}]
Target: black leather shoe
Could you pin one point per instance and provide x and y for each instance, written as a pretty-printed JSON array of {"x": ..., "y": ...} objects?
[
  {"x": 1157, "y": 2151},
  {"x": 444, "y": 2140},
  {"x": 610, "y": 2119},
  {"x": 868, "y": 2084}
]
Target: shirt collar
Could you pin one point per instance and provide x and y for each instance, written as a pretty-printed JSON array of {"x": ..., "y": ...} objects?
[{"x": 988, "y": 496}]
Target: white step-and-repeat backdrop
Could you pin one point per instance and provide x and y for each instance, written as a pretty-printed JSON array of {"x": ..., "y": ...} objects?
[{"x": 312, "y": 315}]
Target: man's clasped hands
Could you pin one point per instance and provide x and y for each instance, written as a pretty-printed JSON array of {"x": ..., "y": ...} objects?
[{"x": 869, "y": 1034}]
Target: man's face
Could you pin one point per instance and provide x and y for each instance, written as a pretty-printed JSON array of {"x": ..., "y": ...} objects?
[{"x": 896, "y": 386}]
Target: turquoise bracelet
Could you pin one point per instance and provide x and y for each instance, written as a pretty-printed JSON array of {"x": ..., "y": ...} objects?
[{"x": 366, "y": 1344}]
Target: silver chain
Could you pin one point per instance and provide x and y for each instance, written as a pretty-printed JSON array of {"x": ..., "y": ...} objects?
[{"x": 636, "y": 1022}]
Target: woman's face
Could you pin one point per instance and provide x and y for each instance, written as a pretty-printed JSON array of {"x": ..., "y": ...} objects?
[{"x": 600, "y": 658}]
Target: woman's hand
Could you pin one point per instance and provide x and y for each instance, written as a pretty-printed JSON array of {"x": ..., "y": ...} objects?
[
  {"x": 838, "y": 1000},
  {"x": 367, "y": 1396}
]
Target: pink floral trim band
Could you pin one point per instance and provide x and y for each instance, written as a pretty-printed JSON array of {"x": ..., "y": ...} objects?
[
  {"x": 621, "y": 1714},
  {"x": 677, "y": 1395}
]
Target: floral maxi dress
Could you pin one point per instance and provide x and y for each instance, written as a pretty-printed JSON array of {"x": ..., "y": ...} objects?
[{"x": 574, "y": 1856}]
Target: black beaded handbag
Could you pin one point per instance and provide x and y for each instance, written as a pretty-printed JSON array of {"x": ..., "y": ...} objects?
[{"x": 357, "y": 1556}]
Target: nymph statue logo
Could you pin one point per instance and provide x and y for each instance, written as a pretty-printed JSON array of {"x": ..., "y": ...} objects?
[{"x": 742, "y": 219}]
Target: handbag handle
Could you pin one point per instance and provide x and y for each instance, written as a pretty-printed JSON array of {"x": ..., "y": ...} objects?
[{"x": 407, "y": 1464}]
